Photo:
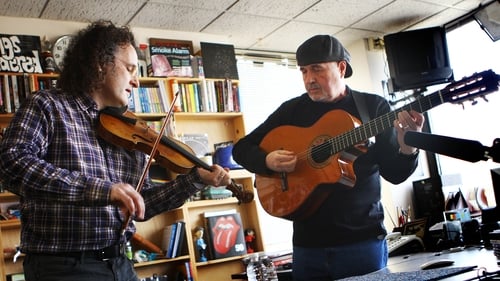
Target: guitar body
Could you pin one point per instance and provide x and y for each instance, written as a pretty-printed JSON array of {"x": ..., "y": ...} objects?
[
  {"x": 327, "y": 150},
  {"x": 296, "y": 195}
]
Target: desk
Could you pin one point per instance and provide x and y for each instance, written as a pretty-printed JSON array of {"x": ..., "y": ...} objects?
[
  {"x": 472, "y": 256},
  {"x": 398, "y": 266}
]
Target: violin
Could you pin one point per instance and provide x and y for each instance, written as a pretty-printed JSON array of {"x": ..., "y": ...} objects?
[{"x": 123, "y": 128}]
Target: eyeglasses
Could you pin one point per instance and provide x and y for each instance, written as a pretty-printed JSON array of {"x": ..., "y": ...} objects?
[{"x": 131, "y": 68}]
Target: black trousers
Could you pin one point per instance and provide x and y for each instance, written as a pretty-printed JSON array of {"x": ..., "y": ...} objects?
[{"x": 40, "y": 267}]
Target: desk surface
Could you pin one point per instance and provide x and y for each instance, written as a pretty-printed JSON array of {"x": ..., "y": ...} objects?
[
  {"x": 472, "y": 256},
  {"x": 407, "y": 267}
]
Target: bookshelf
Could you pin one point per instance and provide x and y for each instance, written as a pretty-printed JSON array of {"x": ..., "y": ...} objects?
[{"x": 219, "y": 127}]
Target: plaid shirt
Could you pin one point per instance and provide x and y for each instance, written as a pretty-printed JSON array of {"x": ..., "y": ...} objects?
[{"x": 52, "y": 157}]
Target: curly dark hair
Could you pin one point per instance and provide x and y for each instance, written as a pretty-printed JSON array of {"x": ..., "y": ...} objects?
[{"x": 89, "y": 50}]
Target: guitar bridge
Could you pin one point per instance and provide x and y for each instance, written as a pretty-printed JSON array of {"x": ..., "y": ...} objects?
[{"x": 284, "y": 181}]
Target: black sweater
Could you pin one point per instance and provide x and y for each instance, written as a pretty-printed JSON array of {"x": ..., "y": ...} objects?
[{"x": 348, "y": 214}]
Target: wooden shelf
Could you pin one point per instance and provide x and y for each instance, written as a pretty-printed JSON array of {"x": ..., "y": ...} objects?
[
  {"x": 7, "y": 196},
  {"x": 10, "y": 224},
  {"x": 161, "y": 261}
]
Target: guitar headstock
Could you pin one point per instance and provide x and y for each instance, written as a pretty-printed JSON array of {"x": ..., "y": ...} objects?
[{"x": 469, "y": 88}]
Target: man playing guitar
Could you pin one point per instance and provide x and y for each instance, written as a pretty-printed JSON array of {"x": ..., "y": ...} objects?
[{"x": 338, "y": 225}]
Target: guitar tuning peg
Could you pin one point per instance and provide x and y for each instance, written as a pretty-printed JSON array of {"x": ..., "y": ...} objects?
[
  {"x": 474, "y": 102},
  {"x": 485, "y": 99}
]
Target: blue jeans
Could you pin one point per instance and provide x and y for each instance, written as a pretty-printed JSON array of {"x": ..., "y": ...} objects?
[
  {"x": 326, "y": 264},
  {"x": 41, "y": 267}
]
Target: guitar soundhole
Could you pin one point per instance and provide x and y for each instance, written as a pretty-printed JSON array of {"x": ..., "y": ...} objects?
[{"x": 320, "y": 151}]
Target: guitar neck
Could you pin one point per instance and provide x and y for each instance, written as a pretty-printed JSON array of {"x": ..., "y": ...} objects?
[
  {"x": 468, "y": 88},
  {"x": 383, "y": 122}
]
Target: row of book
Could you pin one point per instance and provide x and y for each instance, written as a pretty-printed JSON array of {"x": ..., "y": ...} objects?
[
  {"x": 207, "y": 96},
  {"x": 173, "y": 241},
  {"x": 14, "y": 89},
  {"x": 153, "y": 99},
  {"x": 203, "y": 96}
]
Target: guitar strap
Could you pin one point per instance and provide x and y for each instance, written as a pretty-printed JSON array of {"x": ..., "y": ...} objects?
[
  {"x": 360, "y": 103},
  {"x": 361, "y": 106}
]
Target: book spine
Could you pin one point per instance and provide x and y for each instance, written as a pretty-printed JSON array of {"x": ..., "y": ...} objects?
[
  {"x": 179, "y": 232},
  {"x": 189, "y": 271},
  {"x": 182, "y": 237},
  {"x": 172, "y": 239},
  {"x": 164, "y": 98},
  {"x": 2, "y": 109},
  {"x": 6, "y": 94},
  {"x": 174, "y": 85},
  {"x": 14, "y": 92},
  {"x": 166, "y": 239}
]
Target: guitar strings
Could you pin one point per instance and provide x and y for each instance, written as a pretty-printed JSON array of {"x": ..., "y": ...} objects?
[{"x": 359, "y": 134}]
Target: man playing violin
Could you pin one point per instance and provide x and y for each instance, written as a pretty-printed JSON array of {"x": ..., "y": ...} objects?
[
  {"x": 344, "y": 235},
  {"x": 77, "y": 190}
]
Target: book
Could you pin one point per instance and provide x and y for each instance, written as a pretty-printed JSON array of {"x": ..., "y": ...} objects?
[
  {"x": 185, "y": 272},
  {"x": 180, "y": 235},
  {"x": 168, "y": 239},
  {"x": 225, "y": 234},
  {"x": 6, "y": 94},
  {"x": 15, "y": 92},
  {"x": 2, "y": 109},
  {"x": 189, "y": 271},
  {"x": 171, "y": 58}
]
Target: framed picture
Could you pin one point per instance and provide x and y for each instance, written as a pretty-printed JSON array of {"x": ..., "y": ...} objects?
[{"x": 171, "y": 58}]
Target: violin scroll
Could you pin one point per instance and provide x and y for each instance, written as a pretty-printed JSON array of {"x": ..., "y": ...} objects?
[{"x": 244, "y": 196}]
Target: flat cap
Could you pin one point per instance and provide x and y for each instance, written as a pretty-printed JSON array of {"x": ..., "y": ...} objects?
[{"x": 323, "y": 48}]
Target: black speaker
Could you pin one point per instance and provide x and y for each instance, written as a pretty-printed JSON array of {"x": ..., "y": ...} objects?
[
  {"x": 428, "y": 200},
  {"x": 428, "y": 62}
]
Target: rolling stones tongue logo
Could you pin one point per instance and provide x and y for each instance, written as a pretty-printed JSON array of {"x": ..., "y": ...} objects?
[{"x": 225, "y": 233}]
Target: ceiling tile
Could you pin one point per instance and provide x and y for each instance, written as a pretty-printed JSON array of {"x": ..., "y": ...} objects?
[
  {"x": 351, "y": 35},
  {"x": 341, "y": 12},
  {"x": 292, "y": 34},
  {"x": 266, "y": 25},
  {"x": 459, "y": 4},
  {"x": 243, "y": 29},
  {"x": 441, "y": 19},
  {"x": 398, "y": 15},
  {"x": 17, "y": 8},
  {"x": 165, "y": 16},
  {"x": 468, "y": 4},
  {"x": 283, "y": 9},
  {"x": 118, "y": 12},
  {"x": 218, "y": 5}
]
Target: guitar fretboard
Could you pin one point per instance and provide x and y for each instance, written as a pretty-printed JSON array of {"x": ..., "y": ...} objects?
[{"x": 467, "y": 89}]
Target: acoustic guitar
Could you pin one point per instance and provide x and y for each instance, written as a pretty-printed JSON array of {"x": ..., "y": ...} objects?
[{"x": 326, "y": 153}]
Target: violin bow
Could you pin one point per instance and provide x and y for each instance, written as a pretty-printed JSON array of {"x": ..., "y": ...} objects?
[{"x": 154, "y": 149}]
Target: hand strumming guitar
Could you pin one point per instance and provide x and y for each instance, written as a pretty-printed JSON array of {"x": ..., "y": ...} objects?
[{"x": 281, "y": 161}]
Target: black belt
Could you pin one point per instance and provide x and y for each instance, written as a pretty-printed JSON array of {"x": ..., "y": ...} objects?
[{"x": 107, "y": 253}]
